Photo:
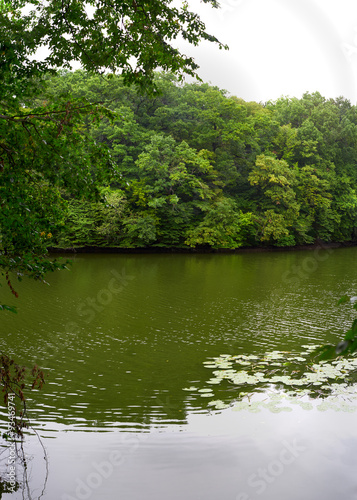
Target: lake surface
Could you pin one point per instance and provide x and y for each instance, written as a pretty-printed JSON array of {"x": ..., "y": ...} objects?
[{"x": 128, "y": 410}]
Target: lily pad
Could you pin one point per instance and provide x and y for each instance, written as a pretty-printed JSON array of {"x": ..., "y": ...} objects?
[{"x": 288, "y": 374}]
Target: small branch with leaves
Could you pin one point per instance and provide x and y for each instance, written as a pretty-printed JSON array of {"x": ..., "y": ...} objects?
[{"x": 15, "y": 382}]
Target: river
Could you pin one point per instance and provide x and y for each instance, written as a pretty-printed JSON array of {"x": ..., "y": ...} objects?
[{"x": 130, "y": 409}]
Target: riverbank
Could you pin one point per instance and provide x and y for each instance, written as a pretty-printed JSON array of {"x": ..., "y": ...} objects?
[{"x": 187, "y": 250}]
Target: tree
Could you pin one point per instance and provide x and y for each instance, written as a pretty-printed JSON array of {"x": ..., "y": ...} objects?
[
  {"x": 275, "y": 180},
  {"x": 206, "y": 118},
  {"x": 314, "y": 196},
  {"x": 178, "y": 181},
  {"x": 223, "y": 226},
  {"x": 286, "y": 143},
  {"x": 45, "y": 147},
  {"x": 133, "y": 37}
]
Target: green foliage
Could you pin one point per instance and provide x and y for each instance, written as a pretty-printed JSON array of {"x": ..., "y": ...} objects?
[
  {"x": 113, "y": 211},
  {"x": 8, "y": 308},
  {"x": 188, "y": 166},
  {"x": 275, "y": 182},
  {"x": 15, "y": 381},
  {"x": 274, "y": 228},
  {"x": 140, "y": 230},
  {"x": 82, "y": 219},
  {"x": 132, "y": 37},
  {"x": 176, "y": 171},
  {"x": 286, "y": 143},
  {"x": 187, "y": 153},
  {"x": 177, "y": 183},
  {"x": 222, "y": 226}
]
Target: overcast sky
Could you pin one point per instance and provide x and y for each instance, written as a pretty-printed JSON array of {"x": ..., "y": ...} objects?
[{"x": 280, "y": 47}]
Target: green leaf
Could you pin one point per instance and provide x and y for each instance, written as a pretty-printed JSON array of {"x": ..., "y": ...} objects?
[
  {"x": 354, "y": 326},
  {"x": 353, "y": 347},
  {"x": 8, "y": 308},
  {"x": 327, "y": 352},
  {"x": 350, "y": 335},
  {"x": 343, "y": 300}
]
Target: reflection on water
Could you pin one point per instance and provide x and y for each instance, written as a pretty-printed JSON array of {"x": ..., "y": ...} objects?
[
  {"x": 230, "y": 455},
  {"x": 121, "y": 336}
]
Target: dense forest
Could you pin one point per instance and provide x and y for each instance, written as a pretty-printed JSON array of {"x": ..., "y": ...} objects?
[{"x": 192, "y": 166}]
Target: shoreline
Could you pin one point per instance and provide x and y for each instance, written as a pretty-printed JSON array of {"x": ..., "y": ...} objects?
[{"x": 184, "y": 250}]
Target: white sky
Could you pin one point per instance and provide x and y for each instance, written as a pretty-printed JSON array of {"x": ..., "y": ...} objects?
[{"x": 280, "y": 47}]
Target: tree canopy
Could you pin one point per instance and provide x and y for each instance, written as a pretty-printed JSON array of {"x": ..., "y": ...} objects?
[
  {"x": 196, "y": 167},
  {"x": 131, "y": 37}
]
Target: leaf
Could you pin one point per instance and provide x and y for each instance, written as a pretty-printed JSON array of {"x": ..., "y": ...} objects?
[
  {"x": 353, "y": 347},
  {"x": 326, "y": 352},
  {"x": 354, "y": 326},
  {"x": 350, "y": 334},
  {"x": 343, "y": 300},
  {"x": 12, "y": 309}
]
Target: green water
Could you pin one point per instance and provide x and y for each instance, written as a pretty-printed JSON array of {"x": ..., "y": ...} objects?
[{"x": 121, "y": 336}]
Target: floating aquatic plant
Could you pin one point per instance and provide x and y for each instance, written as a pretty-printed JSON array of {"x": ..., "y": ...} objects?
[{"x": 279, "y": 378}]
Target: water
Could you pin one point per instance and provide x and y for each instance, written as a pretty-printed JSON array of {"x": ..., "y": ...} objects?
[{"x": 120, "y": 338}]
